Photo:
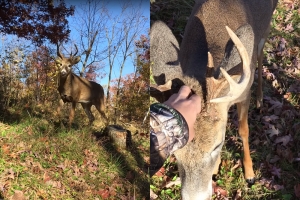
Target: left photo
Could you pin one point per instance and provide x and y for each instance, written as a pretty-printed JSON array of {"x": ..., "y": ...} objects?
[{"x": 74, "y": 99}]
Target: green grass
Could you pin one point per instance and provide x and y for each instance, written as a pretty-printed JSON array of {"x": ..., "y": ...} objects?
[{"x": 47, "y": 161}]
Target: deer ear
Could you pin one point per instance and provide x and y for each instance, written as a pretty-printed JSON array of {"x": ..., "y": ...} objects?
[
  {"x": 76, "y": 60},
  {"x": 164, "y": 50}
]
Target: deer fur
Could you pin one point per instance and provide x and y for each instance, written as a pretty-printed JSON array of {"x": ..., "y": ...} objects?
[
  {"x": 192, "y": 65},
  {"x": 75, "y": 89}
]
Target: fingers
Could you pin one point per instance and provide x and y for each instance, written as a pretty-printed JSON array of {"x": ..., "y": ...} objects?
[
  {"x": 197, "y": 102},
  {"x": 184, "y": 91}
]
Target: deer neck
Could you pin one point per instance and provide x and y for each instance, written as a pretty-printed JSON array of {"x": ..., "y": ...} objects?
[{"x": 66, "y": 80}]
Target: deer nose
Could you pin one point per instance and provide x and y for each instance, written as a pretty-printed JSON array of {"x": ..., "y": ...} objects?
[{"x": 63, "y": 71}]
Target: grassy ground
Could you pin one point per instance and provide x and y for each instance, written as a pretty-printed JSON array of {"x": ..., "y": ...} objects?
[
  {"x": 39, "y": 159},
  {"x": 274, "y": 130}
]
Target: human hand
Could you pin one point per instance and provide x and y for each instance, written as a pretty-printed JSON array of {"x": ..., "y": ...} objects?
[{"x": 188, "y": 107}]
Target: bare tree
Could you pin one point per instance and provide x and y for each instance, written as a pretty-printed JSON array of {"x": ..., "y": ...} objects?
[
  {"x": 128, "y": 25},
  {"x": 90, "y": 23},
  {"x": 133, "y": 24}
]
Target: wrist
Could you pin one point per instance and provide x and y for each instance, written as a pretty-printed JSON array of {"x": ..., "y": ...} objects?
[{"x": 172, "y": 124}]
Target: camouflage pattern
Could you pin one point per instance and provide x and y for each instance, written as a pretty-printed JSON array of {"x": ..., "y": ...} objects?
[{"x": 168, "y": 133}]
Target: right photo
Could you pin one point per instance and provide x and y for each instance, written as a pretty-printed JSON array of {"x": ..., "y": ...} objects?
[{"x": 224, "y": 105}]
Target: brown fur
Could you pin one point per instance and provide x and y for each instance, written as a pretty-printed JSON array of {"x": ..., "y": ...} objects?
[
  {"x": 205, "y": 31},
  {"x": 75, "y": 89}
]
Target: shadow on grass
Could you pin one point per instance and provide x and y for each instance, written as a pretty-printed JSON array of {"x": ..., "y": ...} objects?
[
  {"x": 269, "y": 151},
  {"x": 10, "y": 116},
  {"x": 137, "y": 176}
]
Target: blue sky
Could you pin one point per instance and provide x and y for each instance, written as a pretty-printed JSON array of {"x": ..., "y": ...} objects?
[{"x": 114, "y": 8}]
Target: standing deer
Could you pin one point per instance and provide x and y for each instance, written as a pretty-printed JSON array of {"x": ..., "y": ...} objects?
[
  {"x": 75, "y": 89},
  {"x": 235, "y": 54}
]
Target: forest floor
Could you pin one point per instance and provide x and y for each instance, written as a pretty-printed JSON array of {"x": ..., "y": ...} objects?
[
  {"x": 41, "y": 159},
  {"x": 274, "y": 130}
]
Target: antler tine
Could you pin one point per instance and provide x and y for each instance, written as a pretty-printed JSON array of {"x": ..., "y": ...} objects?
[
  {"x": 76, "y": 50},
  {"x": 210, "y": 63},
  {"x": 236, "y": 89},
  {"x": 58, "y": 51}
]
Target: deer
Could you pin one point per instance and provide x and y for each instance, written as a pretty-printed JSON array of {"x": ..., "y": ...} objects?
[
  {"x": 74, "y": 89},
  {"x": 217, "y": 59}
]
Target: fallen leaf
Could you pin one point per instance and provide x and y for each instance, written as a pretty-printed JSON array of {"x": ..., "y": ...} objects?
[
  {"x": 297, "y": 190},
  {"x": 18, "y": 195},
  {"x": 153, "y": 195},
  {"x": 237, "y": 164},
  {"x": 274, "y": 159},
  {"x": 130, "y": 176},
  {"x": 5, "y": 148},
  {"x": 284, "y": 139},
  {"x": 160, "y": 172},
  {"x": 10, "y": 173},
  {"x": 104, "y": 193},
  {"x": 46, "y": 177},
  {"x": 112, "y": 191},
  {"x": 176, "y": 182},
  {"x": 238, "y": 195},
  {"x": 273, "y": 131},
  {"x": 270, "y": 118},
  {"x": 278, "y": 187},
  {"x": 55, "y": 184},
  {"x": 276, "y": 171},
  {"x": 62, "y": 166}
]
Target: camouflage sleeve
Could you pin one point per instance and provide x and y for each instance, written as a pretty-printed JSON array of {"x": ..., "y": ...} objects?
[{"x": 168, "y": 133}]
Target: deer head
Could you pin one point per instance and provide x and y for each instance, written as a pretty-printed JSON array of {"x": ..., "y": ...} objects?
[
  {"x": 64, "y": 64},
  {"x": 198, "y": 158}
]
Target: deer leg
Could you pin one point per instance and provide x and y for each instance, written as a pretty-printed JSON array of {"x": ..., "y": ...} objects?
[
  {"x": 260, "y": 56},
  {"x": 72, "y": 113},
  {"x": 88, "y": 112},
  {"x": 244, "y": 133},
  {"x": 216, "y": 169},
  {"x": 60, "y": 105},
  {"x": 100, "y": 108}
]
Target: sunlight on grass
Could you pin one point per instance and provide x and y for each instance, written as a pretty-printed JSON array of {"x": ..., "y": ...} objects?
[{"x": 46, "y": 161}]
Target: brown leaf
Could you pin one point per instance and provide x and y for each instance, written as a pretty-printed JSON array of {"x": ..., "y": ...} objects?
[
  {"x": 56, "y": 184},
  {"x": 10, "y": 173},
  {"x": 278, "y": 187},
  {"x": 46, "y": 177},
  {"x": 5, "y": 148},
  {"x": 18, "y": 195},
  {"x": 270, "y": 118},
  {"x": 238, "y": 195},
  {"x": 62, "y": 166},
  {"x": 104, "y": 193},
  {"x": 237, "y": 164},
  {"x": 160, "y": 172},
  {"x": 274, "y": 159},
  {"x": 276, "y": 171},
  {"x": 273, "y": 131},
  {"x": 112, "y": 191},
  {"x": 130, "y": 176},
  {"x": 297, "y": 190},
  {"x": 283, "y": 139},
  {"x": 76, "y": 171}
]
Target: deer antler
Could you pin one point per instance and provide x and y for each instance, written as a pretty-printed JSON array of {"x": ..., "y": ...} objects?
[
  {"x": 236, "y": 89},
  {"x": 75, "y": 51},
  {"x": 58, "y": 52}
]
